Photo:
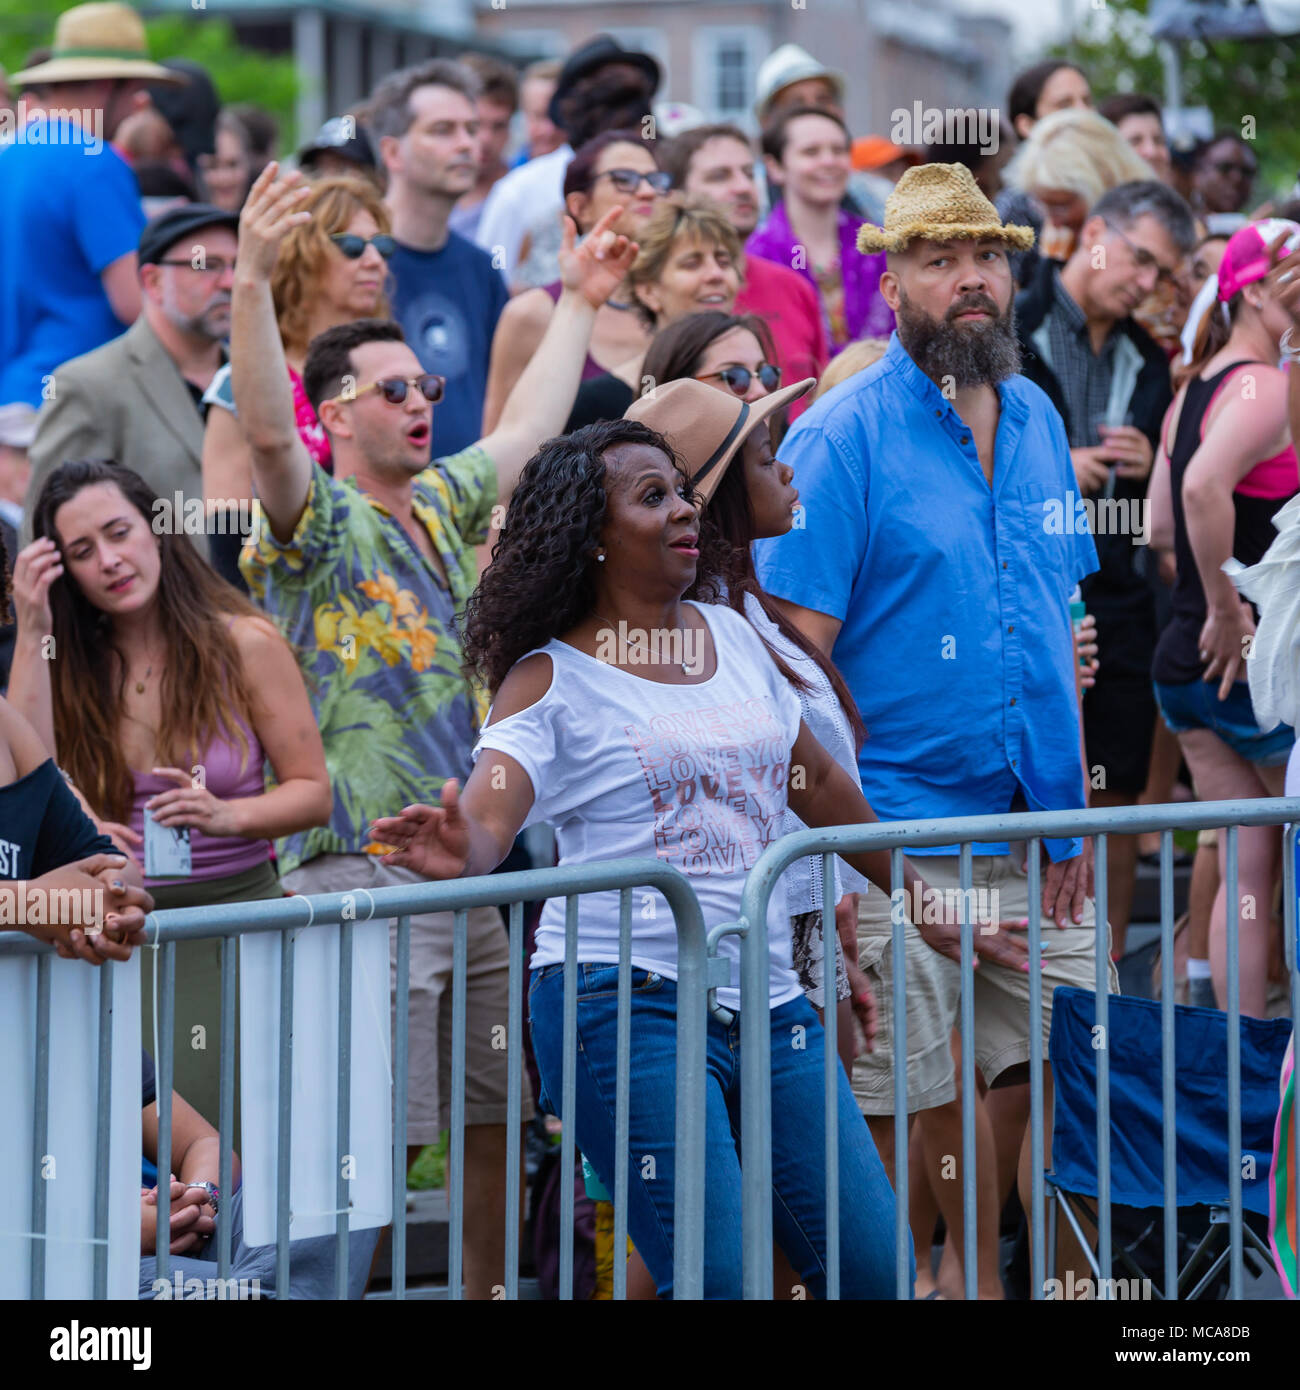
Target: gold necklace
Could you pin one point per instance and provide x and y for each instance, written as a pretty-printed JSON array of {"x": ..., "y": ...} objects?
[{"x": 685, "y": 666}]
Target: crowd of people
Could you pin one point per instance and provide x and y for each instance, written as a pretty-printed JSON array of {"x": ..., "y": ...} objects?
[{"x": 676, "y": 489}]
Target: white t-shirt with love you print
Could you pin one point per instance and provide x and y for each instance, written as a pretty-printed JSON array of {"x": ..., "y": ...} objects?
[{"x": 694, "y": 775}]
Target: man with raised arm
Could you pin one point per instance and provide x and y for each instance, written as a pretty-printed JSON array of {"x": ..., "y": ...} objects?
[{"x": 366, "y": 573}]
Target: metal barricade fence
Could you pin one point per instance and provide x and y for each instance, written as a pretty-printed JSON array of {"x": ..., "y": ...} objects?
[
  {"x": 289, "y": 917},
  {"x": 1030, "y": 828}
]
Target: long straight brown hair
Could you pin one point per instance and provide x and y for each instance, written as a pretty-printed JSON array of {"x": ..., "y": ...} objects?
[{"x": 205, "y": 692}]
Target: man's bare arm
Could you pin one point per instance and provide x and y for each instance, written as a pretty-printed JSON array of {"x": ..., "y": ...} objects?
[
  {"x": 819, "y": 628},
  {"x": 259, "y": 373}
]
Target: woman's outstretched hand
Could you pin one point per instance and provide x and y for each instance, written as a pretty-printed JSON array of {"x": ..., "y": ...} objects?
[{"x": 432, "y": 840}]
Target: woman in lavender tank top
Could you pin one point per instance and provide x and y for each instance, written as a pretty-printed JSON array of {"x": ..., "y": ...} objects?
[{"x": 163, "y": 692}]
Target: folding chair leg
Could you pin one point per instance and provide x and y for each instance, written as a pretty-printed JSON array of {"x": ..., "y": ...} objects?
[
  {"x": 1219, "y": 1261},
  {"x": 1193, "y": 1260}
]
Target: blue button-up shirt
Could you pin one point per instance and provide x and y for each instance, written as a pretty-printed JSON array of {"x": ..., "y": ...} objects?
[{"x": 953, "y": 595}]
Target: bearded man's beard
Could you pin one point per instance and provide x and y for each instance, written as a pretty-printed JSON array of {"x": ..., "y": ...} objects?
[{"x": 958, "y": 355}]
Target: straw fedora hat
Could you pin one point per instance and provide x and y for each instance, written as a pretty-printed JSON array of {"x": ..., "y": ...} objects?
[
  {"x": 707, "y": 426},
  {"x": 939, "y": 202},
  {"x": 97, "y": 41}
]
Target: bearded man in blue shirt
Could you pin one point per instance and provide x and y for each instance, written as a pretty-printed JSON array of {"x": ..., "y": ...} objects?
[{"x": 938, "y": 551}]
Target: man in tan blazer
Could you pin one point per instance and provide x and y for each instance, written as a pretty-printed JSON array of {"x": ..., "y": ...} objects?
[{"x": 137, "y": 398}]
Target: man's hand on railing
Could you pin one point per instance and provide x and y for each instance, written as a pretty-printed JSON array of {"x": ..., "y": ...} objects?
[
  {"x": 434, "y": 841},
  {"x": 1002, "y": 943},
  {"x": 1065, "y": 885},
  {"x": 125, "y": 906}
]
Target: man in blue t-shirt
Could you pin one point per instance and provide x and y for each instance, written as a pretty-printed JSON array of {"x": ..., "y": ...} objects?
[
  {"x": 70, "y": 216},
  {"x": 445, "y": 291},
  {"x": 938, "y": 550}
]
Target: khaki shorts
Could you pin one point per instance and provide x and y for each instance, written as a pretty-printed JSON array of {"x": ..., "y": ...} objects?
[
  {"x": 934, "y": 987},
  {"x": 429, "y": 1024}
]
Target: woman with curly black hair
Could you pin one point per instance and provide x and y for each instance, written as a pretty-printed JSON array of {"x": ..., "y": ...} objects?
[{"x": 640, "y": 721}]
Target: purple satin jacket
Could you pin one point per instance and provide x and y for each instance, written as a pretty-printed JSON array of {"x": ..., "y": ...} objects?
[{"x": 865, "y": 312}]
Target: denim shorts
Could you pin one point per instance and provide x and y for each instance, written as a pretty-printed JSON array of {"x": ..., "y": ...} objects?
[{"x": 1196, "y": 705}]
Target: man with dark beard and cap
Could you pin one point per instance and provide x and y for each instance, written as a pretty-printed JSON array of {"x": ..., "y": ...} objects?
[{"x": 925, "y": 564}]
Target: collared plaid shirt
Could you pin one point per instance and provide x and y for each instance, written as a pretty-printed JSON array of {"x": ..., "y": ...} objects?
[{"x": 1084, "y": 376}]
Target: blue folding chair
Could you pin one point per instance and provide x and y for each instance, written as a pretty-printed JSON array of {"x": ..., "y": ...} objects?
[{"x": 1136, "y": 1120}]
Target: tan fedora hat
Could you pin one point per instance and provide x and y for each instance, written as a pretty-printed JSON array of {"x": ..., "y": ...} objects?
[
  {"x": 97, "y": 41},
  {"x": 939, "y": 202},
  {"x": 707, "y": 426}
]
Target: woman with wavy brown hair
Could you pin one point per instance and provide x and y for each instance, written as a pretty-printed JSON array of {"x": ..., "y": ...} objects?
[
  {"x": 330, "y": 270},
  {"x": 162, "y": 691}
]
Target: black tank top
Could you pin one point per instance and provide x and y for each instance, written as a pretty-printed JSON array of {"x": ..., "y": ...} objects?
[{"x": 1177, "y": 657}]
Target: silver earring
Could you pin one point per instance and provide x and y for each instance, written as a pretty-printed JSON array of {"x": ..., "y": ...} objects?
[{"x": 600, "y": 555}]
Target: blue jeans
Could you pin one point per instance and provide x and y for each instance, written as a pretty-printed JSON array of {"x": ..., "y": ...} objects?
[
  {"x": 867, "y": 1223},
  {"x": 1196, "y": 705}
]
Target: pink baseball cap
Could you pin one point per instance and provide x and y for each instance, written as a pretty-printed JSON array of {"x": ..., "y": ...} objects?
[{"x": 1246, "y": 257}]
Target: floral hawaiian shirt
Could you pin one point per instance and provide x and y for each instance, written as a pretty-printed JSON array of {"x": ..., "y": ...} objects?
[{"x": 374, "y": 629}]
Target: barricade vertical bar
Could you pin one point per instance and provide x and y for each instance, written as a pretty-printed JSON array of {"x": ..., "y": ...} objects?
[
  {"x": 40, "y": 1124},
  {"x": 622, "y": 1083},
  {"x": 103, "y": 1128},
  {"x": 1168, "y": 1074},
  {"x": 568, "y": 1094},
  {"x": 343, "y": 1114},
  {"x": 226, "y": 1098},
  {"x": 830, "y": 1008},
  {"x": 1039, "y": 1245},
  {"x": 164, "y": 1074},
  {"x": 689, "y": 1117},
  {"x": 1102, "y": 1004},
  {"x": 1289, "y": 952},
  {"x": 401, "y": 1069},
  {"x": 514, "y": 1101},
  {"x": 756, "y": 1108},
  {"x": 970, "y": 1253},
  {"x": 456, "y": 1149},
  {"x": 898, "y": 924},
  {"x": 284, "y": 1124},
  {"x": 1234, "y": 1067}
]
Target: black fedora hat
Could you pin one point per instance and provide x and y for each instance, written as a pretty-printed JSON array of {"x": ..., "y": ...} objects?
[{"x": 594, "y": 54}]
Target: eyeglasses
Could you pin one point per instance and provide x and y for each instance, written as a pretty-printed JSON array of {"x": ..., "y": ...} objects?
[
  {"x": 629, "y": 180},
  {"x": 215, "y": 265},
  {"x": 1145, "y": 260},
  {"x": 395, "y": 389},
  {"x": 738, "y": 378},
  {"x": 354, "y": 247}
]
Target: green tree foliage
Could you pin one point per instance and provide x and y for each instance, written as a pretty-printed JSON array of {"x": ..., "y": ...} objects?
[
  {"x": 1251, "y": 85},
  {"x": 240, "y": 73}
]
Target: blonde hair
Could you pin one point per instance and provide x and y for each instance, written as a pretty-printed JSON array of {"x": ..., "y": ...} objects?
[
  {"x": 304, "y": 252},
  {"x": 849, "y": 361},
  {"x": 1075, "y": 150},
  {"x": 676, "y": 219}
]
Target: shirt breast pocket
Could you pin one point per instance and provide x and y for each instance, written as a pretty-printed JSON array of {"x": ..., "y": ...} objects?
[{"x": 1053, "y": 519}]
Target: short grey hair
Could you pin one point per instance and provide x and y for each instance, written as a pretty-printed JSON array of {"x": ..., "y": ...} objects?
[
  {"x": 1124, "y": 204},
  {"x": 388, "y": 112}
]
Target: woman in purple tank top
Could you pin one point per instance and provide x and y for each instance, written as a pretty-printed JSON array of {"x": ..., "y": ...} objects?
[{"x": 163, "y": 692}]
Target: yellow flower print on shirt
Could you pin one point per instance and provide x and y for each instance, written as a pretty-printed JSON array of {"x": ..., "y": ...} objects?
[{"x": 402, "y": 633}]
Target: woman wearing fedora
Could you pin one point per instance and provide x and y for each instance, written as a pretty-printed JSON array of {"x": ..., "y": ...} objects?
[{"x": 593, "y": 604}]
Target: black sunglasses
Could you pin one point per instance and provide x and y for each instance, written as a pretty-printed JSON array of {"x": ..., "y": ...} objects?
[
  {"x": 738, "y": 378},
  {"x": 394, "y": 389},
  {"x": 354, "y": 247},
  {"x": 629, "y": 180}
]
